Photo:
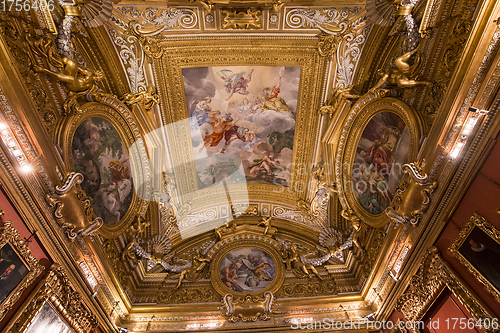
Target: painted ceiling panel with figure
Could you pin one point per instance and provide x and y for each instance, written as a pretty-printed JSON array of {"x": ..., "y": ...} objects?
[{"x": 245, "y": 111}]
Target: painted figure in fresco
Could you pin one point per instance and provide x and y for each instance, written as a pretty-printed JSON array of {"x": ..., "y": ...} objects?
[
  {"x": 371, "y": 185},
  {"x": 220, "y": 126},
  {"x": 235, "y": 83},
  {"x": 229, "y": 276},
  {"x": 274, "y": 102},
  {"x": 119, "y": 187},
  {"x": 202, "y": 110},
  {"x": 198, "y": 264},
  {"x": 267, "y": 164}
]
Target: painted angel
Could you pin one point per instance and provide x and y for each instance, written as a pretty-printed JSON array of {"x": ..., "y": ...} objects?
[{"x": 235, "y": 83}]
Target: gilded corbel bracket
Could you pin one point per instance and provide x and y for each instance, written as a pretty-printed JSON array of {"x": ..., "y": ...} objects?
[
  {"x": 73, "y": 208},
  {"x": 248, "y": 308},
  {"x": 413, "y": 195}
]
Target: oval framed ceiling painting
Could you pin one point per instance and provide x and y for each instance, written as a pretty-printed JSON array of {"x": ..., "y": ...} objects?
[
  {"x": 101, "y": 157},
  {"x": 383, "y": 137},
  {"x": 247, "y": 267},
  {"x": 96, "y": 143}
]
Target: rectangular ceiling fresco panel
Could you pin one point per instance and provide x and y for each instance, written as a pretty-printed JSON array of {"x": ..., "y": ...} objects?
[{"x": 242, "y": 122}]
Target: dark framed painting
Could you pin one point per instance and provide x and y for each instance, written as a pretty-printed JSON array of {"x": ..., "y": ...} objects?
[
  {"x": 18, "y": 267},
  {"x": 478, "y": 248}
]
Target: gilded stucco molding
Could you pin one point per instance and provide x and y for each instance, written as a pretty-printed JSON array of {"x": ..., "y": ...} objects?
[{"x": 432, "y": 277}]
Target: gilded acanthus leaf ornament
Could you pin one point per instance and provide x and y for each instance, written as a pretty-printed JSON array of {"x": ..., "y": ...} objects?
[
  {"x": 328, "y": 44},
  {"x": 248, "y": 18}
]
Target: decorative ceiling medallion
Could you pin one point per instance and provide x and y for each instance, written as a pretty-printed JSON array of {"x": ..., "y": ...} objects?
[
  {"x": 239, "y": 18},
  {"x": 384, "y": 135},
  {"x": 247, "y": 267}
]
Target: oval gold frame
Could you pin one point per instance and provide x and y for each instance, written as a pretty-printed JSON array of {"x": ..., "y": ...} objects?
[
  {"x": 222, "y": 289},
  {"x": 357, "y": 126},
  {"x": 128, "y": 131}
]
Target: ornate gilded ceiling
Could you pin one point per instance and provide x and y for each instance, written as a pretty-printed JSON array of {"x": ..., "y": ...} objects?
[{"x": 188, "y": 155}]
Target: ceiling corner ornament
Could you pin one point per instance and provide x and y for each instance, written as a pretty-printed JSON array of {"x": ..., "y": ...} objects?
[
  {"x": 432, "y": 277},
  {"x": 73, "y": 208},
  {"x": 10, "y": 240},
  {"x": 56, "y": 290},
  {"x": 248, "y": 308},
  {"x": 241, "y": 18},
  {"x": 408, "y": 208}
]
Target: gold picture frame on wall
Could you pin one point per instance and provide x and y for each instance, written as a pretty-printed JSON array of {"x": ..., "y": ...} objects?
[
  {"x": 55, "y": 306},
  {"x": 247, "y": 267},
  {"x": 478, "y": 248},
  {"x": 384, "y": 134},
  {"x": 18, "y": 267},
  {"x": 432, "y": 278}
]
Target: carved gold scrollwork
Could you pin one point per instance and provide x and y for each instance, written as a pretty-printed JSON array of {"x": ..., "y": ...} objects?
[
  {"x": 248, "y": 308},
  {"x": 73, "y": 208},
  {"x": 433, "y": 276},
  {"x": 328, "y": 44}
]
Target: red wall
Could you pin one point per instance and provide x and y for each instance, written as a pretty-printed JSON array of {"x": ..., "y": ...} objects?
[
  {"x": 35, "y": 247},
  {"x": 482, "y": 197}
]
